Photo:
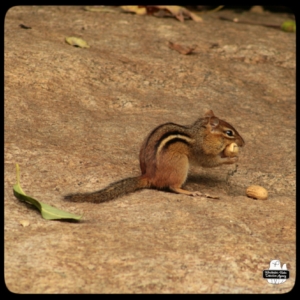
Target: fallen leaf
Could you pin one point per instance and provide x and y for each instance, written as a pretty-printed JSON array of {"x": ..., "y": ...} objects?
[
  {"x": 103, "y": 9},
  {"x": 182, "y": 49},
  {"x": 77, "y": 42},
  {"x": 135, "y": 9},
  {"x": 48, "y": 212},
  {"x": 24, "y": 223},
  {"x": 178, "y": 12},
  {"x": 288, "y": 26},
  {"x": 24, "y": 26}
]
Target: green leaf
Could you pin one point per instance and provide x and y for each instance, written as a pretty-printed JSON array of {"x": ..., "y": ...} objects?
[
  {"x": 48, "y": 212},
  {"x": 289, "y": 26}
]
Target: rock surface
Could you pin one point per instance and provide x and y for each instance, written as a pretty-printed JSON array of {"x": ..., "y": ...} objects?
[{"x": 75, "y": 119}]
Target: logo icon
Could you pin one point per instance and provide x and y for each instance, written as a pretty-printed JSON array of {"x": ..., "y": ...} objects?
[{"x": 276, "y": 274}]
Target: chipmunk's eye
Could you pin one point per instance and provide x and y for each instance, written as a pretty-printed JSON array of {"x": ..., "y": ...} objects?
[{"x": 229, "y": 132}]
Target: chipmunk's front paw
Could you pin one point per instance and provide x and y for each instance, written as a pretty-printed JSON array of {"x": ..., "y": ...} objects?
[{"x": 229, "y": 160}]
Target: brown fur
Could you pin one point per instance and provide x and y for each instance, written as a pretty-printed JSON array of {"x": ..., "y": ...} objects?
[
  {"x": 166, "y": 154},
  {"x": 114, "y": 190}
]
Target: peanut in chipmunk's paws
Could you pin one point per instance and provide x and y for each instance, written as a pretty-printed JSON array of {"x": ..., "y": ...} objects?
[{"x": 232, "y": 150}]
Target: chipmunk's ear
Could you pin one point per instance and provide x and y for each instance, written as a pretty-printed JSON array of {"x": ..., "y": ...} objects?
[
  {"x": 209, "y": 113},
  {"x": 213, "y": 122}
]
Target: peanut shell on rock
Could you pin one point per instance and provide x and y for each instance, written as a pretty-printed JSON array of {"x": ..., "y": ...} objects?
[{"x": 257, "y": 192}]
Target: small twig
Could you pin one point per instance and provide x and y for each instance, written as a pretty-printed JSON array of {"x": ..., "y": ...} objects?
[
  {"x": 236, "y": 20},
  {"x": 215, "y": 9}
]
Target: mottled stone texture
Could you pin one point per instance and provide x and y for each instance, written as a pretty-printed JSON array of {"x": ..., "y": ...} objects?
[{"x": 75, "y": 119}]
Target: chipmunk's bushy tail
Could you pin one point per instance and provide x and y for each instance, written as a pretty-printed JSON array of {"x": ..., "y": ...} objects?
[{"x": 114, "y": 190}]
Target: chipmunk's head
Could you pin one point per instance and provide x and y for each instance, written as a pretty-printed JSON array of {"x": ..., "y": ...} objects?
[{"x": 222, "y": 130}]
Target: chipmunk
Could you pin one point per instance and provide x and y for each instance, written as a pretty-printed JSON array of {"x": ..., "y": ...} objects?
[{"x": 166, "y": 155}]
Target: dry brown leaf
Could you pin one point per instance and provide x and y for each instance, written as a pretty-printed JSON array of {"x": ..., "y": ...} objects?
[
  {"x": 24, "y": 26},
  {"x": 178, "y": 12},
  {"x": 182, "y": 49},
  {"x": 103, "y": 9}
]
